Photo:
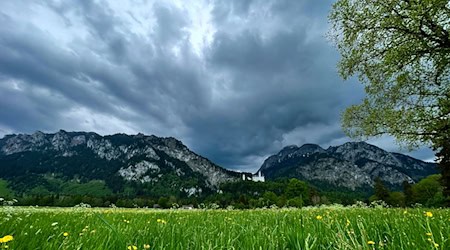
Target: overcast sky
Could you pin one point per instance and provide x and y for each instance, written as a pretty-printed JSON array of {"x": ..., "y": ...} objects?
[{"x": 234, "y": 80}]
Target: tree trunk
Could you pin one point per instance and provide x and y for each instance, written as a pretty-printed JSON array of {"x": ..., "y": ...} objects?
[{"x": 444, "y": 165}]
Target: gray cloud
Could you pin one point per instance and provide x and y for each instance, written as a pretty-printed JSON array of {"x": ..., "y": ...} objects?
[{"x": 234, "y": 80}]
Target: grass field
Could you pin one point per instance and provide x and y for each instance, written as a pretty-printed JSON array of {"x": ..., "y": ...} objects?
[{"x": 313, "y": 228}]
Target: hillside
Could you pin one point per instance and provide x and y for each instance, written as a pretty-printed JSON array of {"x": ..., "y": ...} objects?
[
  {"x": 353, "y": 165},
  {"x": 82, "y": 162}
]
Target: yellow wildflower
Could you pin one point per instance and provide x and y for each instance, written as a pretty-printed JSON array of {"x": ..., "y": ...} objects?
[
  {"x": 65, "y": 234},
  {"x": 318, "y": 217},
  {"x": 429, "y": 234},
  {"x": 348, "y": 223},
  {"x": 146, "y": 246},
  {"x": 6, "y": 239},
  {"x": 436, "y": 245},
  {"x": 161, "y": 221},
  {"x": 132, "y": 248},
  {"x": 428, "y": 214},
  {"x": 371, "y": 242}
]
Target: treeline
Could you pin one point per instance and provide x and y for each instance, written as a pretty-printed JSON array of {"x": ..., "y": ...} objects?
[
  {"x": 427, "y": 192},
  {"x": 107, "y": 201},
  {"x": 239, "y": 195},
  {"x": 280, "y": 193}
]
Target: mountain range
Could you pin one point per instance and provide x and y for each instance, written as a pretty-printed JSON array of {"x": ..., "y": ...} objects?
[
  {"x": 147, "y": 164},
  {"x": 69, "y": 162},
  {"x": 353, "y": 165}
]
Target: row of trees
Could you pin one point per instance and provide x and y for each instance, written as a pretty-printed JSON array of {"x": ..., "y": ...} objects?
[
  {"x": 427, "y": 192},
  {"x": 107, "y": 201},
  {"x": 249, "y": 194},
  {"x": 243, "y": 194}
]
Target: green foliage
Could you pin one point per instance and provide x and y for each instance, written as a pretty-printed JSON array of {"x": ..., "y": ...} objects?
[
  {"x": 295, "y": 202},
  {"x": 346, "y": 197},
  {"x": 39, "y": 191},
  {"x": 408, "y": 192},
  {"x": 400, "y": 51},
  {"x": 96, "y": 188},
  {"x": 270, "y": 198},
  {"x": 296, "y": 189},
  {"x": 282, "y": 192},
  {"x": 396, "y": 199},
  {"x": 5, "y": 191},
  {"x": 428, "y": 191},
  {"x": 381, "y": 191},
  {"x": 163, "y": 202}
]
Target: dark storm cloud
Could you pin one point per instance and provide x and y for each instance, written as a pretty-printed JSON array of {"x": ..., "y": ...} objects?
[
  {"x": 266, "y": 78},
  {"x": 281, "y": 84},
  {"x": 92, "y": 77}
]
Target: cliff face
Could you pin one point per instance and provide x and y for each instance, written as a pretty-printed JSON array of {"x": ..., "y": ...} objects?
[
  {"x": 353, "y": 165},
  {"x": 131, "y": 158}
]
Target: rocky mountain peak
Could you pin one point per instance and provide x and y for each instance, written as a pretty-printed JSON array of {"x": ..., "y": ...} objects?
[
  {"x": 310, "y": 149},
  {"x": 38, "y": 134},
  {"x": 292, "y": 152},
  {"x": 361, "y": 145},
  {"x": 355, "y": 151},
  {"x": 139, "y": 135},
  {"x": 288, "y": 150}
]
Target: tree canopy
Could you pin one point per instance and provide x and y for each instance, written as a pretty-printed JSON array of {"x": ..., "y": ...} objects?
[{"x": 400, "y": 51}]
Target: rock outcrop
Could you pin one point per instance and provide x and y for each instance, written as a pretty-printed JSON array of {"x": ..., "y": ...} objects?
[{"x": 353, "y": 165}]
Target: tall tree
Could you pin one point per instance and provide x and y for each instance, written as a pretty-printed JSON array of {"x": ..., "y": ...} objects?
[
  {"x": 297, "y": 189},
  {"x": 381, "y": 192},
  {"x": 400, "y": 51},
  {"x": 407, "y": 190}
]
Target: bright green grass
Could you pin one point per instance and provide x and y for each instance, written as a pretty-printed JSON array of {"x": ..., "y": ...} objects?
[{"x": 221, "y": 229}]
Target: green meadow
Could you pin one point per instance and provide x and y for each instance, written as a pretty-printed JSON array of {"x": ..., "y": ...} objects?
[{"x": 307, "y": 228}]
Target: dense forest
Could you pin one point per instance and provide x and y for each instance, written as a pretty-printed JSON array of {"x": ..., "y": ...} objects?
[{"x": 239, "y": 194}]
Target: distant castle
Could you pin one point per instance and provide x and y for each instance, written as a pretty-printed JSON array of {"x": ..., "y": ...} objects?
[{"x": 254, "y": 177}]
